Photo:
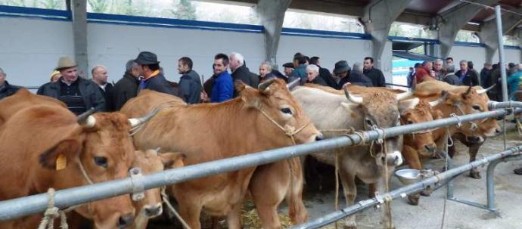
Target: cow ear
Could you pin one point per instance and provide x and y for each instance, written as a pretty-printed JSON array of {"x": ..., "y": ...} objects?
[
  {"x": 60, "y": 155},
  {"x": 172, "y": 160},
  {"x": 408, "y": 104},
  {"x": 350, "y": 106},
  {"x": 239, "y": 85}
]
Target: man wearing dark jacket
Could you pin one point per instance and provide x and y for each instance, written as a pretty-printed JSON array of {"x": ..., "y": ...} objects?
[
  {"x": 342, "y": 70},
  {"x": 373, "y": 73},
  {"x": 241, "y": 72},
  {"x": 467, "y": 77},
  {"x": 77, "y": 93},
  {"x": 190, "y": 82},
  {"x": 100, "y": 78},
  {"x": 152, "y": 79},
  {"x": 324, "y": 73},
  {"x": 6, "y": 89},
  {"x": 312, "y": 72},
  {"x": 127, "y": 87}
]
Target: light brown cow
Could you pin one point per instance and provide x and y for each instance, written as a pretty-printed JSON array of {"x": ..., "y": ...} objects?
[
  {"x": 42, "y": 146},
  {"x": 24, "y": 98},
  {"x": 374, "y": 108},
  {"x": 256, "y": 120},
  {"x": 460, "y": 100},
  {"x": 149, "y": 162}
]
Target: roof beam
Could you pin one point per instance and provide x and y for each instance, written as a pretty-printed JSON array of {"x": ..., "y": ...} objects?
[
  {"x": 378, "y": 16},
  {"x": 454, "y": 20},
  {"x": 488, "y": 32},
  {"x": 272, "y": 15}
]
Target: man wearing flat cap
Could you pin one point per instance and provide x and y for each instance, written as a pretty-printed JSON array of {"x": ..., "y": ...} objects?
[
  {"x": 151, "y": 77},
  {"x": 77, "y": 93}
]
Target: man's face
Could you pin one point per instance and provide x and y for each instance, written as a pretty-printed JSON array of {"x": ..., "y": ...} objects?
[
  {"x": 69, "y": 75},
  {"x": 437, "y": 66},
  {"x": 263, "y": 70},
  {"x": 464, "y": 66},
  {"x": 100, "y": 74},
  {"x": 234, "y": 63},
  {"x": 311, "y": 74},
  {"x": 2, "y": 79},
  {"x": 219, "y": 67},
  {"x": 182, "y": 68},
  {"x": 136, "y": 70},
  {"x": 429, "y": 65},
  {"x": 449, "y": 62},
  {"x": 342, "y": 74},
  {"x": 368, "y": 64},
  {"x": 288, "y": 71}
]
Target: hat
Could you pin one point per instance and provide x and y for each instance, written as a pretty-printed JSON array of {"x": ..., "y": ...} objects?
[
  {"x": 55, "y": 72},
  {"x": 146, "y": 58},
  {"x": 341, "y": 66},
  {"x": 65, "y": 62},
  {"x": 288, "y": 65}
]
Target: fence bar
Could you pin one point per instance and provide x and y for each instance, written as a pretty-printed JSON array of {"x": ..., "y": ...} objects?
[
  {"x": 409, "y": 189},
  {"x": 23, "y": 206},
  {"x": 490, "y": 182},
  {"x": 500, "y": 37}
]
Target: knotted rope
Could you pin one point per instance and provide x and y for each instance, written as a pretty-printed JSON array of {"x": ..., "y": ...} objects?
[{"x": 52, "y": 213}]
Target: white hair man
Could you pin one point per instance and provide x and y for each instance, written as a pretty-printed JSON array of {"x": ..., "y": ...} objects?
[
  {"x": 241, "y": 72},
  {"x": 312, "y": 73}
]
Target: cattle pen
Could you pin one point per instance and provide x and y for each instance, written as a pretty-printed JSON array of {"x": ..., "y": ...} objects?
[{"x": 19, "y": 207}]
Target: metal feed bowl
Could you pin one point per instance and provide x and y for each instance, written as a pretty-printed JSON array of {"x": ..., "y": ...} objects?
[{"x": 408, "y": 176}]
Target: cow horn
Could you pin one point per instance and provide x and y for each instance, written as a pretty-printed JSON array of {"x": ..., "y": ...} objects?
[
  {"x": 263, "y": 86},
  {"x": 137, "y": 121},
  {"x": 482, "y": 91},
  {"x": 86, "y": 119},
  {"x": 293, "y": 84},
  {"x": 443, "y": 96},
  {"x": 469, "y": 90},
  {"x": 353, "y": 98},
  {"x": 435, "y": 103},
  {"x": 403, "y": 95}
]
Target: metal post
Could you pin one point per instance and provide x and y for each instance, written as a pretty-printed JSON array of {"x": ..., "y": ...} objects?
[
  {"x": 490, "y": 182},
  {"x": 501, "y": 53}
]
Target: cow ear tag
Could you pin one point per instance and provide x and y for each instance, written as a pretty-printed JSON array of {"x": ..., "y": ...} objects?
[{"x": 61, "y": 162}]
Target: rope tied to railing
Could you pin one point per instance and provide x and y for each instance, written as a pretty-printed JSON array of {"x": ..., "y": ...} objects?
[
  {"x": 165, "y": 199},
  {"x": 51, "y": 213}
]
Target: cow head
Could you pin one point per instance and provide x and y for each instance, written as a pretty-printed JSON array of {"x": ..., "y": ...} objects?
[
  {"x": 150, "y": 162},
  {"x": 99, "y": 149},
  {"x": 421, "y": 141},
  {"x": 379, "y": 109},
  {"x": 279, "y": 112},
  {"x": 469, "y": 100}
]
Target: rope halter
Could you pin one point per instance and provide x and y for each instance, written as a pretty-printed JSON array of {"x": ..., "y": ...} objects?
[{"x": 289, "y": 131}]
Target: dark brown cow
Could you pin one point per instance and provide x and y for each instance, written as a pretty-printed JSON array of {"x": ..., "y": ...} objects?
[
  {"x": 256, "y": 120},
  {"x": 42, "y": 145}
]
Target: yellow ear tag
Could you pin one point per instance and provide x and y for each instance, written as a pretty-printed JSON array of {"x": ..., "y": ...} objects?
[{"x": 61, "y": 162}]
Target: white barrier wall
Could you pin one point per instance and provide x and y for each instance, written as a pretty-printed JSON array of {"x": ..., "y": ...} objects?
[
  {"x": 30, "y": 48},
  {"x": 475, "y": 54},
  {"x": 512, "y": 55},
  {"x": 329, "y": 50}
]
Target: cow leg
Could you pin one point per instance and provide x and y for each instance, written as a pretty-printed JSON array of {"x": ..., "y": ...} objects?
[
  {"x": 190, "y": 212},
  {"x": 350, "y": 192},
  {"x": 385, "y": 217},
  {"x": 234, "y": 216},
  {"x": 473, "y": 151},
  {"x": 412, "y": 158},
  {"x": 294, "y": 197}
]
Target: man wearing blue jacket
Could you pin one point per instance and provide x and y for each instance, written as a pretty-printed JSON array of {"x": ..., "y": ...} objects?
[{"x": 223, "y": 88}]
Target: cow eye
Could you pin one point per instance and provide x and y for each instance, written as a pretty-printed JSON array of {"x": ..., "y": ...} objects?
[
  {"x": 409, "y": 122},
  {"x": 369, "y": 122},
  {"x": 476, "y": 107},
  {"x": 101, "y": 161},
  {"x": 286, "y": 110}
]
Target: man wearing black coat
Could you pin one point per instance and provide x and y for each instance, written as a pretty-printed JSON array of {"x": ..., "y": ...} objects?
[
  {"x": 153, "y": 79},
  {"x": 373, "y": 73},
  {"x": 6, "y": 89},
  {"x": 100, "y": 78},
  {"x": 241, "y": 72},
  {"x": 190, "y": 82},
  {"x": 324, "y": 73},
  {"x": 467, "y": 77},
  {"x": 127, "y": 87}
]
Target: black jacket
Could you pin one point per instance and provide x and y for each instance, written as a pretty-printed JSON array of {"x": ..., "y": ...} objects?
[
  {"x": 126, "y": 88},
  {"x": 318, "y": 80},
  {"x": 190, "y": 87},
  {"x": 8, "y": 90},
  {"x": 92, "y": 97},
  {"x": 327, "y": 77},
  {"x": 376, "y": 76},
  {"x": 160, "y": 84},
  {"x": 242, "y": 73},
  {"x": 357, "y": 78},
  {"x": 469, "y": 79},
  {"x": 107, "y": 94}
]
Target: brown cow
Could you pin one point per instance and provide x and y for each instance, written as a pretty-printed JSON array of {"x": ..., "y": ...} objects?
[
  {"x": 64, "y": 154},
  {"x": 24, "y": 98},
  {"x": 254, "y": 121},
  {"x": 151, "y": 162},
  {"x": 374, "y": 108},
  {"x": 460, "y": 100}
]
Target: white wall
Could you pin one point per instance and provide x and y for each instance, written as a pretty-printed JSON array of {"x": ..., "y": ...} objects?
[
  {"x": 114, "y": 45},
  {"x": 30, "y": 48},
  {"x": 329, "y": 50},
  {"x": 475, "y": 54},
  {"x": 512, "y": 55}
]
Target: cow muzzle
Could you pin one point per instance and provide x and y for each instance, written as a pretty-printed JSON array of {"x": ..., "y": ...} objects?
[
  {"x": 151, "y": 211},
  {"x": 394, "y": 158}
]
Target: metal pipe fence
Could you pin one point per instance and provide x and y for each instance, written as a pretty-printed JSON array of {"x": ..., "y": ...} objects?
[{"x": 24, "y": 206}]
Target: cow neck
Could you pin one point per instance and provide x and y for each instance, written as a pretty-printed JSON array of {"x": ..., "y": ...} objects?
[
  {"x": 289, "y": 131},
  {"x": 84, "y": 172}
]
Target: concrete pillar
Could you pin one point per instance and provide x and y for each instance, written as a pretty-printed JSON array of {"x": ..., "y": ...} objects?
[
  {"x": 79, "y": 23},
  {"x": 488, "y": 33},
  {"x": 455, "y": 19},
  {"x": 378, "y": 16},
  {"x": 272, "y": 14}
]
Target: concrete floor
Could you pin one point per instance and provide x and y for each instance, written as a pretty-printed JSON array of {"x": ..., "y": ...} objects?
[{"x": 435, "y": 212}]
